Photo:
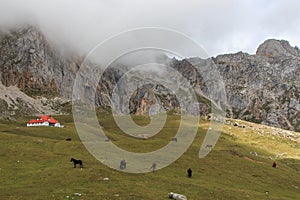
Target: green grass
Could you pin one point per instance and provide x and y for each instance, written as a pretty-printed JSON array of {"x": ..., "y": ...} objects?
[{"x": 35, "y": 164}]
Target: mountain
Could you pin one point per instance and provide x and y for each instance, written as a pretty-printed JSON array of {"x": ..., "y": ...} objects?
[
  {"x": 29, "y": 62},
  {"x": 262, "y": 88},
  {"x": 265, "y": 87}
]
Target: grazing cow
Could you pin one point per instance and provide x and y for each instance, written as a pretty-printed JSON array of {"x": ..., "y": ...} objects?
[
  {"x": 189, "y": 171},
  {"x": 75, "y": 162},
  {"x": 68, "y": 139},
  {"x": 274, "y": 165}
]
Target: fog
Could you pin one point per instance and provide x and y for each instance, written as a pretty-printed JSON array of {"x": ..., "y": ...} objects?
[{"x": 219, "y": 26}]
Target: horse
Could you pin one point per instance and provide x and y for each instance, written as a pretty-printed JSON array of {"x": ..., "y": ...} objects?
[{"x": 75, "y": 162}]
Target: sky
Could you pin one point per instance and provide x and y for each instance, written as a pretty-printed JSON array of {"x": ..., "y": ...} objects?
[{"x": 219, "y": 26}]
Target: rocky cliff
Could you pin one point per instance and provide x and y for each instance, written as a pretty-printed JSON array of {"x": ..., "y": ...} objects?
[
  {"x": 265, "y": 87},
  {"x": 29, "y": 62},
  {"x": 262, "y": 88}
]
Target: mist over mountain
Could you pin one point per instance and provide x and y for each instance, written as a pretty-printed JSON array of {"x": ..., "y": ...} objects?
[
  {"x": 263, "y": 88},
  {"x": 220, "y": 27}
]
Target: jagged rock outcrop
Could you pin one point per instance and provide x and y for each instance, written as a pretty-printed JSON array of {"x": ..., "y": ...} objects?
[
  {"x": 30, "y": 63},
  {"x": 276, "y": 48},
  {"x": 263, "y": 88},
  {"x": 148, "y": 95}
]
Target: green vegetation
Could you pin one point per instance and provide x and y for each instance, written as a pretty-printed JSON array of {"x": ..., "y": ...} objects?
[
  {"x": 35, "y": 164},
  {"x": 48, "y": 93}
]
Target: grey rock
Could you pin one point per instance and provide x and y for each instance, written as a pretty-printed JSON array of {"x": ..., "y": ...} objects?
[{"x": 262, "y": 88}]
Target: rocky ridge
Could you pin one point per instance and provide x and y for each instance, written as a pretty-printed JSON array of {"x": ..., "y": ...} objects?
[{"x": 262, "y": 88}]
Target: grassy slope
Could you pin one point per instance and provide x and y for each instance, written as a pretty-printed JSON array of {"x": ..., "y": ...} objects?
[{"x": 228, "y": 172}]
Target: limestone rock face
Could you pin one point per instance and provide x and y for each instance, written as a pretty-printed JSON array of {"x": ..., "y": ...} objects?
[
  {"x": 262, "y": 88},
  {"x": 144, "y": 99},
  {"x": 30, "y": 63},
  {"x": 276, "y": 48}
]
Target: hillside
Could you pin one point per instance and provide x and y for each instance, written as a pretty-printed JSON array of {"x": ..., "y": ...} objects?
[
  {"x": 262, "y": 88},
  {"x": 36, "y": 164}
]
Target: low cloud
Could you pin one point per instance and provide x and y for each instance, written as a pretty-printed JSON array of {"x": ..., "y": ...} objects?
[{"x": 219, "y": 26}]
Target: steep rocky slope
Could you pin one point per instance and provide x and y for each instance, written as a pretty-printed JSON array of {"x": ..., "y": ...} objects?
[
  {"x": 30, "y": 63},
  {"x": 263, "y": 88},
  {"x": 14, "y": 102}
]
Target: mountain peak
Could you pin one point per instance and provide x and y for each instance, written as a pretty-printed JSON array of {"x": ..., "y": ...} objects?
[{"x": 276, "y": 48}]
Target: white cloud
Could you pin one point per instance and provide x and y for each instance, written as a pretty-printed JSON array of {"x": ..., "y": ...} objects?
[{"x": 220, "y": 26}]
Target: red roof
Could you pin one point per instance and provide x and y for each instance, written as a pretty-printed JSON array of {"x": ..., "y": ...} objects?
[{"x": 42, "y": 119}]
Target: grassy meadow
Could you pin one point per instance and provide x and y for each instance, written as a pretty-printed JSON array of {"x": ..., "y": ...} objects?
[{"x": 35, "y": 164}]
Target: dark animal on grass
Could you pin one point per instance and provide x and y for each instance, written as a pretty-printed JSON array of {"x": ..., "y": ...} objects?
[
  {"x": 274, "y": 165},
  {"x": 189, "y": 171},
  {"x": 75, "y": 162},
  {"x": 68, "y": 139}
]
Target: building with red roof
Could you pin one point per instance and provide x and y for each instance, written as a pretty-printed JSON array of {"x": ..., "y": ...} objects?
[{"x": 44, "y": 121}]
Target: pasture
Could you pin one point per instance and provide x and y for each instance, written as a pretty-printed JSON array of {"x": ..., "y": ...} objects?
[{"x": 35, "y": 164}]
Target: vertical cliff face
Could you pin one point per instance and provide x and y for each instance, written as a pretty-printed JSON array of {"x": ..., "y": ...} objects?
[
  {"x": 30, "y": 63},
  {"x": 145, "y": 97},
  {"x": 35, "y": 78},
  {"x": 263, "y": 88}
]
